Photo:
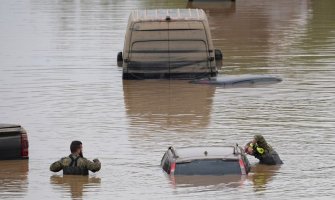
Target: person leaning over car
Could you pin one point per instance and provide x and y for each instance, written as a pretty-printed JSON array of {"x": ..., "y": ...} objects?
[
  {"x": 259, "y": 148},
  {"x": 75, "y": 163}
]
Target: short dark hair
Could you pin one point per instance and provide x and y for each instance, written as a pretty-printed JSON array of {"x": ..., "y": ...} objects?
[{"x": 75, "y": 145}]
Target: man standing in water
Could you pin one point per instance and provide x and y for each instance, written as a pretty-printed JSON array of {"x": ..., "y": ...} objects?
[
  {"x": 75, "y": 163},
  {"x": 259, "y": 148}
]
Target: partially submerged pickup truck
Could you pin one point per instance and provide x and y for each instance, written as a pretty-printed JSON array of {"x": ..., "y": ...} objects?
[{"x": 13, "y": 142}]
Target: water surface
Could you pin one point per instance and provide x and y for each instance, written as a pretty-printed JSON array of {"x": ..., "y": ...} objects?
[{"x": 59, "y": 80}]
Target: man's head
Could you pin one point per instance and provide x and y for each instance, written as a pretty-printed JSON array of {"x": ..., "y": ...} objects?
[
  {"x": 259, "y": 139},
  {"x": 261, "y": 142},
  {"x": 76, "y": 147}
]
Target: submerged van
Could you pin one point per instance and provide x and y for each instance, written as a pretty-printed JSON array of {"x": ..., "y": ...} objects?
[{"x": 168, "y": 44}]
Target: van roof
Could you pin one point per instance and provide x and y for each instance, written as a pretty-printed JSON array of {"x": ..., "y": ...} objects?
[
  {"x": 192, "y": 153},
  {"x": 163, "y": 14}
]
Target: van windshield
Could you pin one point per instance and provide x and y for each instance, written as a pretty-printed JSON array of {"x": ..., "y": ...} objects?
[{"x": 208, "y": 167}]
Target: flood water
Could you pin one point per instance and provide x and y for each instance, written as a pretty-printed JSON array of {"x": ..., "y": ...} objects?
[{"x": 59, "y": 80}]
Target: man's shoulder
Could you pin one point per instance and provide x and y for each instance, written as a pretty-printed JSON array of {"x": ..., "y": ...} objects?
[
  {"x": 65, "y": 160},
  {"x": 83, "y": 159}
]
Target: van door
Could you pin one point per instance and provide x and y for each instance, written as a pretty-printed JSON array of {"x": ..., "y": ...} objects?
[
  {"x": 188, "y": 49},
  {"x": 149, "y": 50}
]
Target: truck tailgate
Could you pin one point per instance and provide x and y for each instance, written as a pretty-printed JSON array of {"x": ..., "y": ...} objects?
[{"x": 10, "y": 143}]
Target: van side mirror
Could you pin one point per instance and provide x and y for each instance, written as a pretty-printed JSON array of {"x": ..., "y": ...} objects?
[
  {"x": 211, "y": 58},
  {"x": 218, "y": 54},
  {"x": 218, "y": 57},
  {"x": 119, "y": 59}
]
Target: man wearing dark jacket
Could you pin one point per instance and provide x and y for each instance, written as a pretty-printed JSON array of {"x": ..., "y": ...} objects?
[
  {"x": 259, "y": 148},
  {"x": 75, "y": 163}
]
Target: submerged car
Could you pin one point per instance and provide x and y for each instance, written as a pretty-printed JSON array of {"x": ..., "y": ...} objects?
[
  {"x": 168, "y": 44},
  {"x": 226, "y": 160},
  {"x": 13, "y": 142},
  {"x": 239, "y": 81}
]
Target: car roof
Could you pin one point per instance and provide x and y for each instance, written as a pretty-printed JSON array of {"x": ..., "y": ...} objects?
[
  {"x": 5, "y": 128},
  {"x": 195, "y": 153}
]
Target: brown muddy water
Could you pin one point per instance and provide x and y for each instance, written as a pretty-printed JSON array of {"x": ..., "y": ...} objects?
[{"x": 59, "y": 80}]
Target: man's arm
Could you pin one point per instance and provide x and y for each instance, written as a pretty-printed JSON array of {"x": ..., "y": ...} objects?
[
  {"x": 56, "y": 166},
  {"x": 93, "y": 166}
]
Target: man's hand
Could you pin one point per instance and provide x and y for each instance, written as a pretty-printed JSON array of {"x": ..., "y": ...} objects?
[{"x": 248, "y": 148}]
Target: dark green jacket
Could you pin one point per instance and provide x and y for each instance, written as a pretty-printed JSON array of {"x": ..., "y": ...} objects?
[
  {"x": 269, "y": 156},
  {"x": 75, "y": 165}
]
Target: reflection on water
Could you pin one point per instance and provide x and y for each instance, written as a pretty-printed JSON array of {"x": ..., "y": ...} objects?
[
  {"x": 224, "y": 7},
  {"x": 175, "y": 105},
  {"x": 214, "y": 182},
  {"x": 244, "y": 31},
  {"x": 13, "y": 178},
  {"x": 317, "y": 44},
  {"x": 75, "y": 185},
  {"x": 161, "y": 111},
  {"x": 261, "y": 175}
]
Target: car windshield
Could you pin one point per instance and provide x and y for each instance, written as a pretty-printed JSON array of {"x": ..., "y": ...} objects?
[{"x": 208, "y": 167}]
